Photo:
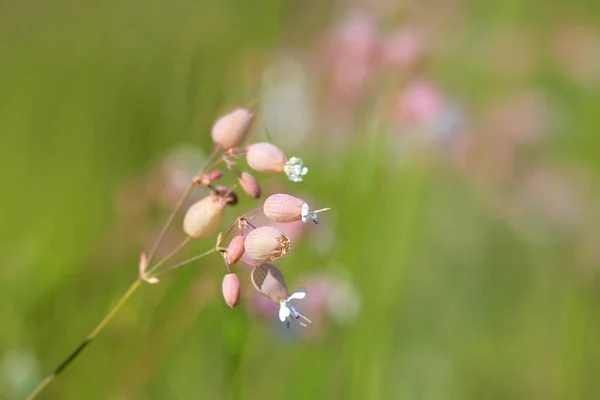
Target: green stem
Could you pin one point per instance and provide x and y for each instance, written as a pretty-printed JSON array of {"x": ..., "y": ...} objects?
[
  {"x": 178, "y": 206},
  {"x": 134, "y": 286},
  {"x": 169, "y": 222},
  {"x": 88, "y": 339},
  {"x": 109, "y": 317}
]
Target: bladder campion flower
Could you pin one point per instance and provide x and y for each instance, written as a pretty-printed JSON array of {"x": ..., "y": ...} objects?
[
  {"x": 285, "y": 208},
  {"x": 203, "y": 217},
  {"x": 267, "y": 158},
  {"x": 231, "y": 129},
  {"x": 269, "y": 280},
  {"x": 266, "y": 243}
]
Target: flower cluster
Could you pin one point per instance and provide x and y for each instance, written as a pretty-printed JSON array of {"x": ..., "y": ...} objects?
[{"x": 257, "y": 246}]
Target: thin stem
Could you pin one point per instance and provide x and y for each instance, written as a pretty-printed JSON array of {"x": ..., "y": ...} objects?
[
  {"x": 168, "y": 256},
  {"x": 238, "y": 220},
  {"x": 169, "y": 222},
  {"x": 88, "y": 339},
  {"x": 189, "y": 260},
  {"x": 134, "y": 286},
  {"x": 213, "y": 165},
  {"x": 177, "y": 207}
]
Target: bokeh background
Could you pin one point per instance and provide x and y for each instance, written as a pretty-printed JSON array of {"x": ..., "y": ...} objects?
[{"x": 456, "y": 141}]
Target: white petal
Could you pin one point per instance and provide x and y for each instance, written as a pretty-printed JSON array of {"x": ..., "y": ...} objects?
[
  {"x": 300, "y": 294},
  {"x": 284, "y": 312}
]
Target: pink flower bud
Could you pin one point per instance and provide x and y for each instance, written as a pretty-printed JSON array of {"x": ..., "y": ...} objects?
[
  {"x": 203, "y": 218},
  {"x": 265, "y": 157},
  {"x": 235, "y": 250},
  {"x": 283, "y": 208},
  {"x": 266, "y": 244},
  {"x": 216, "y": 175},
  {"x": 231, "y": 289},
  {"x": 231, "y": 129},
  {"x": 268, "y": 280},
  {"x": 250, "y": 185},
  {"x": 207, "y": 179}
]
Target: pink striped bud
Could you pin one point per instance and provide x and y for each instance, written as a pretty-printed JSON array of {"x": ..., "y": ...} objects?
[
  {"x": 231, "y": 129},
  {"x": 250, "y": 185},
  {"x": 265, "y": 157},
  {"x": 235, "y": 250},
  {"x": 266, "y": 244},
  {"x": 203, "y": 217},
  {"x": 285, "y": 208},
  {"x": 231, "y": 289},
  {"x": 268, "y": 280}
]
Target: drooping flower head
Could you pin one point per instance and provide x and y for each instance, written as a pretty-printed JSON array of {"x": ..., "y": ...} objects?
[{"x": 269, "y": 280}]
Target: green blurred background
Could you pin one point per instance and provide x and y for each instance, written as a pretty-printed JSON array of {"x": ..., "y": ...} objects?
[{"x": 469, "y": 250}]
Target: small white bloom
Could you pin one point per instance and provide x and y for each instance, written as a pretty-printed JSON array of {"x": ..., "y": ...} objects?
[
  {"x": 294, "y": 169},
  {"x": 286, "y": 309},
  {"x": 308, "y": 215}
]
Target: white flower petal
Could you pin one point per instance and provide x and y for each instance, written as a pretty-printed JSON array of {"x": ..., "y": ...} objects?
[
  {"x": 284, "y": 312},
  {"x": 300, "y": 294}
]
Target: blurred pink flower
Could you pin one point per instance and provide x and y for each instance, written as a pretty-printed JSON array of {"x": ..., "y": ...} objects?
[
  {"x": 348, "y": 60},
  {"x": 402, "y": 49},
  {"x": 421, "y": 103}
]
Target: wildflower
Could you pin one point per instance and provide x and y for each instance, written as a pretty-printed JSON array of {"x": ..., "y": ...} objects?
[
  {"x": 266, "y": 244},
  {"x": 231, "y": 129},
  {"x": 268, "y": 280},
  {"x": 203, "y": 217},
  {"x": 250, "y": 185},
  {"x": 285, "y": 208},
  {"x": 235, "y": 250},
  {"x": 267, "y": 158},
  {"x": 231, "y": 289}
]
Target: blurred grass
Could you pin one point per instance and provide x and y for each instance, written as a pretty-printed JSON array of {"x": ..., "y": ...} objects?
[{"x": 454, "y": 303}]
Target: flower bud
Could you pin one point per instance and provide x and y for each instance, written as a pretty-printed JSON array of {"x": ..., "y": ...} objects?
[
  {"x": 231, "y": 129},
  {"x": 228, "y": 195},
  {"x": 216, "y": 175},
  {"x": 265, "y": 157},
  {"x": 283, "y": 208},
  {"x": 250, "y": 185},
  {"x": 231, "y": 289},
  {"x": 207, "y": 179},
  {"x": 235, "y": 250},
  {"x": 203, "y": 217},
  {"x": 268, "y": 280},
  {"x": 266, "y": 244}
]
